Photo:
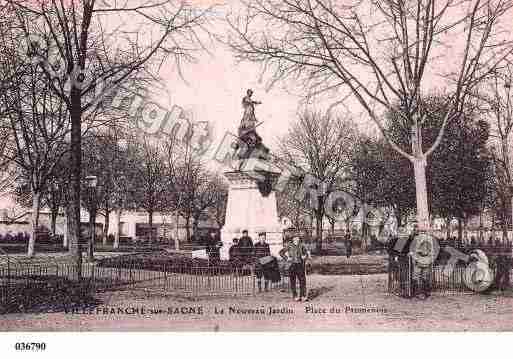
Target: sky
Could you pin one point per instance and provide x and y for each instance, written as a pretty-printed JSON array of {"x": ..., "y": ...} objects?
[{"x": 213, "y": 87}]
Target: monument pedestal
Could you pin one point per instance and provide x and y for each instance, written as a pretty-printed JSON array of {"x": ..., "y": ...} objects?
[{"x": 252, "y": 209}]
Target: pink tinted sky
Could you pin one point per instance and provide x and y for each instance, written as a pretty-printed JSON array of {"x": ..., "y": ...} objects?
[
  {"x": 214, "y": 89},
  {"x": 215, "y": 86}
]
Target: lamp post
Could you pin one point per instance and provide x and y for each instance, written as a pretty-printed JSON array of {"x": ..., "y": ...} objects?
[{"x": 91, "y": 182}]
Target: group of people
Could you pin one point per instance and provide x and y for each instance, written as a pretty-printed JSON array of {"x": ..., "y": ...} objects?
[{"x": 244, "y": 251}]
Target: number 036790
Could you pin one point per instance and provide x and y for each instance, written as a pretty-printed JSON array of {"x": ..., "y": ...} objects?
[{"x": 25, "y": 346}]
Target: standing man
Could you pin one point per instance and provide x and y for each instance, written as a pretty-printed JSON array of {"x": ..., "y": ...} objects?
[
  {"x": 213, "y": 246},
  {"x": 348, "y": 244},
  {"x": 262, "y": 250},
  {"x": 245, "y": 247},
  {"x": 233, "y": 252},
  {"x": 296, "y": 254}
]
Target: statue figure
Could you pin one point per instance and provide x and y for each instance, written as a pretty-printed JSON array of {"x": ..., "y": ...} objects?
[
  {"x": 247, "y": 130},
  {"x": 249, "y": 120},
  {"x": 249, "y": 144}
]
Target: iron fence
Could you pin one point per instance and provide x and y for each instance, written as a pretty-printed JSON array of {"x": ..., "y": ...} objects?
[
  {"x": 403, "y": 277},
  {"x": 28, "y": 286}
]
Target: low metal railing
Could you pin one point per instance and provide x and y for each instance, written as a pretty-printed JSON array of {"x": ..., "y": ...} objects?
[{"x": 28, "y": 286}]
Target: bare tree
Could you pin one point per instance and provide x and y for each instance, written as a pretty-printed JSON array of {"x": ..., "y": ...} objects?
[
  {"x": 97, "y": 51},
  {"x": 194, "y": 190},
  {"x": 210, "y": 194},
  {"x": 498, "y": 101},
  {"x": 384, "y": 53},
  {"x": 220, "y": 201},
  {"x": 107, "y": 160},
  {"x": 54, "y": 198},
  {"x": 37, "y": 123},
  {"x": 320, "y": 146},
  {"x": 149, "y": 177},
  {"x": 292, "y": 208},
  {"x": 186, "y": 176}
]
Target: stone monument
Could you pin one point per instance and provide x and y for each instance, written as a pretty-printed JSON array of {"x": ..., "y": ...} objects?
[{"x": 251, "y": 198}]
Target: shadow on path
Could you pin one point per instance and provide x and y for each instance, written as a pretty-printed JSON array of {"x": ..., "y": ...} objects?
[{"x": 317, "y": 292}]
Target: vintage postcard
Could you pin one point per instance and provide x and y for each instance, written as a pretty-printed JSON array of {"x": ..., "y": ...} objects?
[{"x": 256, "y": 165}]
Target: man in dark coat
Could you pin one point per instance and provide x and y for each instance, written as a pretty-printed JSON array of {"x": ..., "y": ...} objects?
[
  {"x": 296, "y": 254},
  {"x": 213, "y": 246},
  {"x": 233, "y": 253},
  {"x": 245, "y": 247},
  {"x": 262, "y": 249}
]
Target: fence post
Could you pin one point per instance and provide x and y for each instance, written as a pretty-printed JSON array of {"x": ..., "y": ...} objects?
[
  {"x": 237, "y": 276},
  {"x": 165, "y": 277},
  {"x": 131, "y": 281},
  {"x": 389, "y": 275},
  {"x": 253, "y": 279},
  {"x": 410, "y": 276},
  {"x": 7, "y": 291},
  {"x": 93, "y": 279}
]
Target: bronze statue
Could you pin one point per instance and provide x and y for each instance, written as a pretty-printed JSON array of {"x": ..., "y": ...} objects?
[
  {"x": 247, "y": 131},
  {"x": 249, "y": 120}
]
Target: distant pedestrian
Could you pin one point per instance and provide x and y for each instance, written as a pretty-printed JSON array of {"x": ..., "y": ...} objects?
[
  {"x": 214, "y": 245},
  {"x": 348, "y": 244},
  {"x": 490, "y": 242},
  {"x": 296, "y": 254}
]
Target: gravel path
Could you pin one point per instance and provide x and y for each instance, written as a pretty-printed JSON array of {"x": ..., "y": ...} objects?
[{"x": 350, "y": 303}]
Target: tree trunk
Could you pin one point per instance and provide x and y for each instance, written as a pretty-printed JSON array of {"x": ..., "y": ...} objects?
[
  {"x": 365, "y": 234},
  {"x": 460, "y": 229},
  {"x": 511, "y": 204},
  {"x": 68, "y": 228},
  {"x": 150, "y": 223},
  {"x": 36, "y": 199},
  {"x": 492, "y": 230},
  {"x": 106, "y": 227},
  {"x": 419, "y": 169},
  {"x": 188, "y": 228},
  {"x": 504, "y": 229},
  {"x": 465, "y": 230},
  {"x": 75, "y": 187},
  {"x": 53, "y": 221},
  {"x": 398, "y": 217},
  {"x": 177, "y": 239},
  {"x": 480, "y": 234},
  {"x": 65, "y": 241},
  {"x": 118, "y": 226},
  {"x": 195, "y": 225},
  {"x": 318, "y": 232},
  {"x": 92, "y": 234}
]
